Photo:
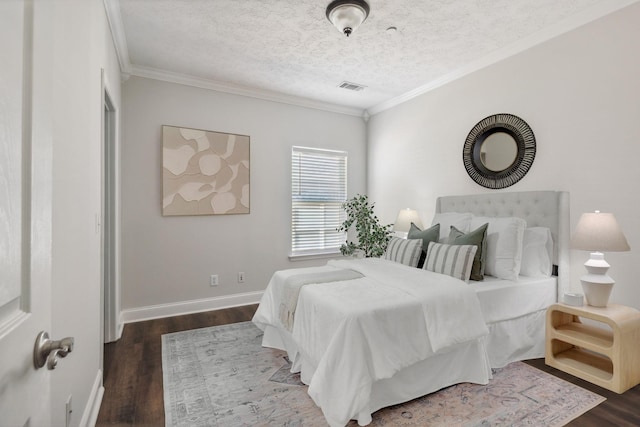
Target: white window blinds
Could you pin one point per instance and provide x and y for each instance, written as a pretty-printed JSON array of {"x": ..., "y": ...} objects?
[{"x": 318, "y": 190}]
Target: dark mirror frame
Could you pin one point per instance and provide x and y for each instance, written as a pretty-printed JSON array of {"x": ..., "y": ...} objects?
[{"x": 524, "y": 138}]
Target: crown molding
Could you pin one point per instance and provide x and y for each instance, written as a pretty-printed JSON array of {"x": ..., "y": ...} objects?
[
  {"x": 598, "y": 11},
  {"x": 114, "y": 17},
  {"x": 183, "y": 79}
]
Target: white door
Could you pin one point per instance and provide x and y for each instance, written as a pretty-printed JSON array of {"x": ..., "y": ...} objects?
[{"x": 25, "y": 214}]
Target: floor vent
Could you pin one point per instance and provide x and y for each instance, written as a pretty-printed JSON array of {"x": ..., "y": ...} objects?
[{"x": 351, "y": 86}]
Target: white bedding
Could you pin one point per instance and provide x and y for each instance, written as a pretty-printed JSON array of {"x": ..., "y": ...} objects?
[
  {"x": 515, "y": 315},
  {"x": 293, "y": 284},
  {"x": 505, "y": 299},
  {"x": 349, "y": 335}
]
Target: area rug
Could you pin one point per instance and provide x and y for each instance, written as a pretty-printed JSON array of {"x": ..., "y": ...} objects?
[{"x": 221, "y": 376}]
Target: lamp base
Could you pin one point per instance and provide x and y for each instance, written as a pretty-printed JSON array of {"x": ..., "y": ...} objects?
[
  {"x": 596, "y": 293},
  {"x": 597, "y": 284}
]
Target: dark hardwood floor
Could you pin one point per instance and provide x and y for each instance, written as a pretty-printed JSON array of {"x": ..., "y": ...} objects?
[
  {"x": 618, "y": 410},
  {"x": 133, "y": 375},
  {"x": 133, "y": 394}
]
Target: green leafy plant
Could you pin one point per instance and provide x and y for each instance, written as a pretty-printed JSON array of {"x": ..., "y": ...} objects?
[{"x": 373, "y": 237}]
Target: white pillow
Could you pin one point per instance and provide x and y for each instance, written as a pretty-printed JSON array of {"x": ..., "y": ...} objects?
[
  {"x": 404, "y": 251},
  {"x": 537, "y": 252},
  {"x": 504, "y": 245},
  {"x": 452, "y": 260},
  {"x": 461, "y": 221}
]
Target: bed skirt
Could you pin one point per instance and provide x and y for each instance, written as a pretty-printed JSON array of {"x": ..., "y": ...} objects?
[
  {"x": 454, "y": 365},
  {"x": 516, "y": 339},
  {"x": 508, "y": 341}
]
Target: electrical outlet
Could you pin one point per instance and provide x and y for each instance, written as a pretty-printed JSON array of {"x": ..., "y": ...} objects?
[
  {"x": 213, "y": 280},
  {"x": 68, "y": 410},
  {"x": 241, "y": 277}
]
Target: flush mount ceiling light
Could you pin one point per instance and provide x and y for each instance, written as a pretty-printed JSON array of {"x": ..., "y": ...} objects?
[{"x": 347, "y": 15}]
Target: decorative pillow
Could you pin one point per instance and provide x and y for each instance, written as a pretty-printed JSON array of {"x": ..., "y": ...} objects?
[
  {"x": 476, "y": 237},
  {"x": 504, "y": 245},
  {"x": 461, "y": 221},
  {"x": 429, "y": 235},
  {"x": 452, "y": 260},
  {"x": 404, "y": 251},
  {"x": 537, "y": 252}
]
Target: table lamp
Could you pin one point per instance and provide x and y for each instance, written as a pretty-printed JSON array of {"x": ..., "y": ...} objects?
[
  {"x": 598, "y": 232},
  {"x": 404, "y": 220}
]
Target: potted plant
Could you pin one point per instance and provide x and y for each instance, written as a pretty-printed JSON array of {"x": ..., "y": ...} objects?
[{"x": 373, "y": 237}]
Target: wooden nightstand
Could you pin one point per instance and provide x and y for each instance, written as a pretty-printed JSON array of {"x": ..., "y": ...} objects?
[{"x": 605, "y": 356}]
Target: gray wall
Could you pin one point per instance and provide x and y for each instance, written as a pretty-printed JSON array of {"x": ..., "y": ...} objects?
[
  {"x": 167, "y": 261},
  {"x": 579, "y": 92}
]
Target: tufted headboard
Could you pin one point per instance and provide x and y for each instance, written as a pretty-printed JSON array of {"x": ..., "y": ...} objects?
[{"x": 539, "y": 208}]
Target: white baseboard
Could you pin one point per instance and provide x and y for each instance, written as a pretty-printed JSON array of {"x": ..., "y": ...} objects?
[
  {"x": 188, "y": 307},
  {"x": 120, "y": 329},
  {"x": 91, "y": 411},
  {"x": 118, "y": 334}
]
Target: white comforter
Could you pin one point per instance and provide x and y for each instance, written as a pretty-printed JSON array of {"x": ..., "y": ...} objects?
[{"x": 355, "y": 332}]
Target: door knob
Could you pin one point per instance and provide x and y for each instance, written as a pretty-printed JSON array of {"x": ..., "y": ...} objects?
[{"x": 47, "y": 350}]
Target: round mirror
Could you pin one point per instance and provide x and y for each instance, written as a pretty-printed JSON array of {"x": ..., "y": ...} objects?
[{"x": 499, "y": 151}]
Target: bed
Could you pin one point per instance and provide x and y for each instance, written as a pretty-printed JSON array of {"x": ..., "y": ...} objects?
[{"x": 370, "y": 333}]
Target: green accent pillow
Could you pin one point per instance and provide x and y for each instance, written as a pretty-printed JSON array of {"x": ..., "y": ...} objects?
[
  {"x": 429, "y": 235},
  {"x": 476, "y": 237}
]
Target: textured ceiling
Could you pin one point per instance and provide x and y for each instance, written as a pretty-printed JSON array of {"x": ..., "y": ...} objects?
[{"x": 288, "y": 47}]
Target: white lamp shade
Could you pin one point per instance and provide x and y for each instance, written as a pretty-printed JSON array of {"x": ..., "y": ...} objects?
[
  {"x": 405, "y": 218},
  {"x": 599, "y": 231}
]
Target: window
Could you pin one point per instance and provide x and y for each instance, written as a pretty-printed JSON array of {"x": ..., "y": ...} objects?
[{"x": 318, "y": 190}]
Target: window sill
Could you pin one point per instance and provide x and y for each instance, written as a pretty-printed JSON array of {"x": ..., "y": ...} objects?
[{"x": 314, "y": 255}]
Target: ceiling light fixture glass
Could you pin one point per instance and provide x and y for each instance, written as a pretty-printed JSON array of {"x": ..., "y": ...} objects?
[{"x": 347, "y": 15}]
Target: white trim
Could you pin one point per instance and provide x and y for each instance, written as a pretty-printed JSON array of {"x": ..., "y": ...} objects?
[
  {"x": 91, "y": 411},
  {"x": 189, "y": 307},
  {"x": 314, "y": 255},
  {"x": 110, "y": 155},
  {"x": 267, "y": 95},
  {"x": 120, "y": 328},
  {"x": 114, "y": 17},
  {"x": 569, "y": 24}
]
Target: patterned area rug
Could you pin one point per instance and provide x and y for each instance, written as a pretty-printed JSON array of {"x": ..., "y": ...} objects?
[{"x": 221, "y": 376}]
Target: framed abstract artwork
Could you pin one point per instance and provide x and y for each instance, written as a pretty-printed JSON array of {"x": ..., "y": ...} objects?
[{"x": 204, "y": 172}]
